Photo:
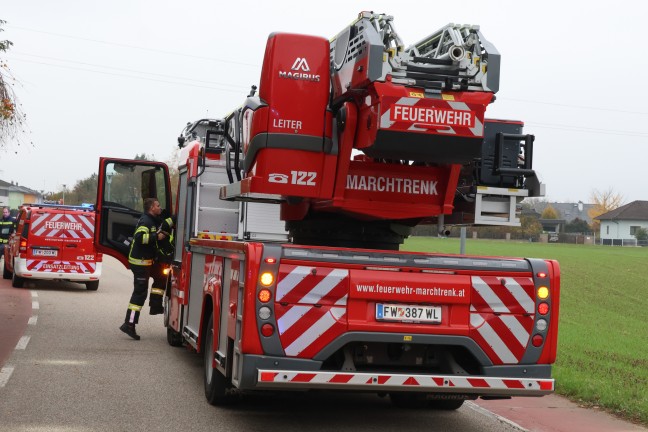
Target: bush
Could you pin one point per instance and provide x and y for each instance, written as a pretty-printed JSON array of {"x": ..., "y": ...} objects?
[{"x": 641, "y": 234}]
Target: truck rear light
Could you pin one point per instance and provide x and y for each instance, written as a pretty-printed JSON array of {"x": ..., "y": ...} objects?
[
  {"x": 541, "y": 325},
  {"x": 541, "y": 274},
  {"x": 543, "y": 292},
  {"x": 537, "y": 340},
  {"x": 270, "y": 260},
  {"x": 266, "y": 279},
  {"x": 267, "y": 330},
  {"x": 166, "y": 270},
  {"x": 543, "y": 308},
  {"x": 265, "y": 295},
  {"x": 264, "y": 312},
  {"x": 23, "y": 245}
]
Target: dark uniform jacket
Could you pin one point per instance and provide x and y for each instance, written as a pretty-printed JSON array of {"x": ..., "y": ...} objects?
[
  {"x": 6, "y": 228},
  {"x": 144, "y": 245},
  {"x": 166, "y": 245}
]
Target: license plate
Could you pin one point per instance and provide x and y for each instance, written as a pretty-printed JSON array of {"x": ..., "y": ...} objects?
[
  {"x": 403, "y": 312},
  {"x": 44, "y": 252}
]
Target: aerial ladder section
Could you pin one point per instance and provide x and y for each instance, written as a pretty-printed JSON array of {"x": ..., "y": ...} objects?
[{"x": 360, "y": 138}]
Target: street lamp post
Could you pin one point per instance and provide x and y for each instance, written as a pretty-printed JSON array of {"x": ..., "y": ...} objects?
[
  {"x": 109, "y": 177},
  {"x": 63, "y": 195}
]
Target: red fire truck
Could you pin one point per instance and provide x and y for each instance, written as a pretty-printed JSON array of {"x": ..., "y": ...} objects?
[
  {"x": 53, "y": 242},
  {"x": 291, "y": 211}
]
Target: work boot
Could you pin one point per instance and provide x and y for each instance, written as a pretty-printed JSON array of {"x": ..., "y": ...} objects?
[
  {"x": 129, "y": 329},
  {"x": 156, "y": 310}
]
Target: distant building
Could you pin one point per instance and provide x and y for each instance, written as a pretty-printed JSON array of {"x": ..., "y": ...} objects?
[
  {"x": 619, "y": 226},
  {"x": 13, "y": 196},
  {"x": 567, "y": 212},
  {"x": 4, "y": 193}
]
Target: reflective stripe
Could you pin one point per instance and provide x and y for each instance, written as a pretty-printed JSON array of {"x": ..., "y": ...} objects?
[
  {"x": 157, "y": 291},
  {"x": 134, "y": 307},
  {"x": 146, "y": 262},
  {"x": 169, "y": 222},
  {"x": 145, "y": 238}
]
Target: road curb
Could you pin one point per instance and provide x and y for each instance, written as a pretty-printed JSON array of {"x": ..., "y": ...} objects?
[{"x": 473, "y": 406}]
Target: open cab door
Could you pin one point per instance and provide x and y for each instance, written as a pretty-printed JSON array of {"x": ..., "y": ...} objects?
[{"x": 122, "y": 187}]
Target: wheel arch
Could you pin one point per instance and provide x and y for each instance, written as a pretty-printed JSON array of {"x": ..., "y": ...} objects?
[{"x": 207, "y": 312}]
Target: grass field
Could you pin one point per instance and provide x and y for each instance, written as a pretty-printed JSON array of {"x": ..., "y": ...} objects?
[{"x": 603, "y": 333}]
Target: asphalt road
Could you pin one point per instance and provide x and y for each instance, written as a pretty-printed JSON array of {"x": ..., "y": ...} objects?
[{"x": 73, "y": 370}]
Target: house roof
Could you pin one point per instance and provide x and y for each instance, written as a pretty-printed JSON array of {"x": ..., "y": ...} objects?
[
  {"x": 16, "y": 188},
  {"x": 636, "y": 210},
  {"x": 567, "y": 211},
  {"x": 24, "y": 190}
]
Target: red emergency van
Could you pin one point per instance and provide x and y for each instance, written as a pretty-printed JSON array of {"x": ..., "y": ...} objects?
[{"x": 53, "y": 242}]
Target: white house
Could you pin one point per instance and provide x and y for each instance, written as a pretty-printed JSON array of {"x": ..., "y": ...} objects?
[{"x": 620, "y": 225}]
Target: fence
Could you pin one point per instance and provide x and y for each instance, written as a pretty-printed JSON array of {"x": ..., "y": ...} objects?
[{"x": 623, "y": 242}]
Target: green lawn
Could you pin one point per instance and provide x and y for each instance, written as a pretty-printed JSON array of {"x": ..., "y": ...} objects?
[{"x": 603, "y": 334}]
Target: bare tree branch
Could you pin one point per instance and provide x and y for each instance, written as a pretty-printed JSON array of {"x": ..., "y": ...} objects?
[{"x": 12, "y": 119}]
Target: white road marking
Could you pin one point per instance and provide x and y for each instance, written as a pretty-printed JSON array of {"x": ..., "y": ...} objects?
[
  {"x": 35, "y": 305},
  {"x": 34, "y": 293},
  {"x": 473, "y": 406},
  {"x": 32, "y": 320},
  {"x": 22, "y": 343},
  {"x": 5, "y": 373}
]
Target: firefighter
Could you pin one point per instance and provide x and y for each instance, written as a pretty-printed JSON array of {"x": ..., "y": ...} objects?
[
  {"x": 141, "y": 257},
  {"x": 164, "y": 256},
  {"x": 7, "y": 224}
]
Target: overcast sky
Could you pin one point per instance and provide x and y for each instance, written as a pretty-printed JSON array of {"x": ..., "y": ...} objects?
[{"x": 122, "y": 77}]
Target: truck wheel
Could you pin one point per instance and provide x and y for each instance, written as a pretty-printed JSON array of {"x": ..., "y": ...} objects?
[
  {"x": 218, "y": 389},
  {"x": 6, "y": 274},
  {"x": 174, "y": 338},
  {"x": 167, "y": 313},
  {"x": 409, "y": 400},
  {"x": 446, "y": 405},
  {"x": 17, "y": 281},
  {"x": 92, "y": 285}
]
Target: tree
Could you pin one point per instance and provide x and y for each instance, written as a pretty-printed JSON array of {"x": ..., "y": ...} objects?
[
  {"x": 604, "y": 202},
  {"x": 11, "y": 117},
  {"x": 530, "y": 227},
  {"x": 84, "y": 191},
  {"x": 641, "y": 234},
  {"x": 174, "y": 175},
  {"x": 549, "y": 213},
  {"x": 578, "y": 225}
]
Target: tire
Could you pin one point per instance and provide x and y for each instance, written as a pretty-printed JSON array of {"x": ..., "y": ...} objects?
[
  {"x": 92, "y": 285},
  {"x": 174, "y": 338},
  {"x": 446, "y": 405},
  {"x": 409, "y": 400},
  {"x": 6, "y": 274},
  {"x": 167, "y": 314},
  {"x": 17, "y": 281},
  {"x": 218, "y": 389}
]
